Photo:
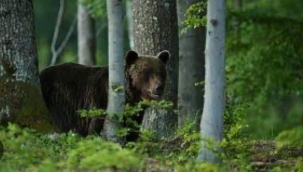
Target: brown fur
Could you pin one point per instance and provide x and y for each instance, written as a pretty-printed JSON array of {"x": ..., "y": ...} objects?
[{"x": 69, "y": 87}]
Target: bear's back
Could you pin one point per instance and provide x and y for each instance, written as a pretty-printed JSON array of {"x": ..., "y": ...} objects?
[
  {"x": 69, "y": 72},
  {"x": 76, "y": 87}
]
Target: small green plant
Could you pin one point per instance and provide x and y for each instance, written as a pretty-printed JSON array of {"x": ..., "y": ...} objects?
[
  {"x": 97, "y": 8},
  {"x": 94, "y": 154},
  {"x": 292, "y": 137},
  {"x": 195, "y": 16},
  {"x": 299, "y": 165},
  {"x": 234, "y": 118},
  {"x": 94, "y": 112},
  {"x": 131, "y": 112}
]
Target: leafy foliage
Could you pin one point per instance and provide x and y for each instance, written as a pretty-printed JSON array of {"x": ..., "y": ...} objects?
[
  {"x": 195, "y": 16},
  {"x": 264, "y": 63},
  {"x": 92, "y": 112},
  {"x": 95, "y": 153},
  {"x": 291, "y": 137},
  {"x": 97, "y": 7},
  {"x": 26, "y": 150},
  {"x": 264, "y": 60}
]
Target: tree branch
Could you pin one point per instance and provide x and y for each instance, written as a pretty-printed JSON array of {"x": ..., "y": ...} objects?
[
  {"x": 68, "y": 35},
  {"x": 58, "y": 51},
  {"x": 57, "y": 27}
]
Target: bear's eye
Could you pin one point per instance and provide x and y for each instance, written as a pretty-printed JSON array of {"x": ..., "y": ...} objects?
[{"x": 148, "y": 73}]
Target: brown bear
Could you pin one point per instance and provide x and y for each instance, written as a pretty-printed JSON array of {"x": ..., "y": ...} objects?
[{"x": 69, "y": 87}]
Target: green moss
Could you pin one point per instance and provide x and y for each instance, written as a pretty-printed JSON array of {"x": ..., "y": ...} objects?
[
  {"x": 24, "y": 104},
  {"x": 33, "y": 112}
]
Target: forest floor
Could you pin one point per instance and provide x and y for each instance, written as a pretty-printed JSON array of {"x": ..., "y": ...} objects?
[
  {"x": 261, "y": 156},
  {"x": 265, "y": 156},
  {"x": 26, "y": 150}
]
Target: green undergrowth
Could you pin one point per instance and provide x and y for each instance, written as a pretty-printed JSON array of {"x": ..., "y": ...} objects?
[{"x": 27, "y": 150}]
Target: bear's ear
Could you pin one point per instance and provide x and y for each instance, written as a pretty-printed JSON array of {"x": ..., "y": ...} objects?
[
  {"x": 130, "y": 57},
  {"x": 164, "y": 56}
]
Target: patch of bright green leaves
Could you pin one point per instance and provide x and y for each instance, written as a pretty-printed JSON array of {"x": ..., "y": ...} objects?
[
  {"x": 195, "y": 16},
  {"x": 26, "y": 150},
  {"x": 97, "y": 8}
]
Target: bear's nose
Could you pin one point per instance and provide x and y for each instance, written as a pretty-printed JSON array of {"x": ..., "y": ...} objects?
[{"x": 160, "y": 89}]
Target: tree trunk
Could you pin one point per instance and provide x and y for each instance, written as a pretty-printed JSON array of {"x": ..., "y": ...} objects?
[
  {"x": 21, "y": 99},
  {"x": 116, "y": 98},
  {"x": 155, "y": 28},
  {"x": 191, "y": 69},
  {"x": 212, "y": 118},
  {"x": 129, "y": 16},
  {"x": 86, "y": 36}
]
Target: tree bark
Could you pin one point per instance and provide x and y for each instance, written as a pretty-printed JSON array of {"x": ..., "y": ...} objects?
[
  {"x": 21, "y": 99},
  {"x": 129, "y": 16},
  {"x": 155, "y": 28},
  {"x": 116, "y": 98},
  {"x": 213, "y": 110},
  {"x": 191, "y": 69},
  {"x": 86, "y": 36}
]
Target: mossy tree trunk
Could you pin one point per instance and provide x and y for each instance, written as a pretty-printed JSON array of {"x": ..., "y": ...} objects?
[
  {"x": 191, "y": 69},
  {"x": 155, "y": 28},
  {"x": 86, "y": 36},
  {"x": 21, "y": 99}
]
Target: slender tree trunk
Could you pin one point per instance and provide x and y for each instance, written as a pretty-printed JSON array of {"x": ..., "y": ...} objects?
[
  {"x": 116, "y": 98},
  {"x": 191, "y": 68},
  {"x": 155, "y": 28},
  {"x": 212, "y": 118},
  {"x": 86, "y": 36},
  {"x": 21, "y": 99},
  {"x": 129, "y": 16}
]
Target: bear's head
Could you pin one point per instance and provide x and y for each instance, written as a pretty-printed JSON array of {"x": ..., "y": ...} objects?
[{"x": 146, "y": 74}]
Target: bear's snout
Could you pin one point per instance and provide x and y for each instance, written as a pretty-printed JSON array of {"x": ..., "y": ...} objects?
[{"x": 159, "y": 89}]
